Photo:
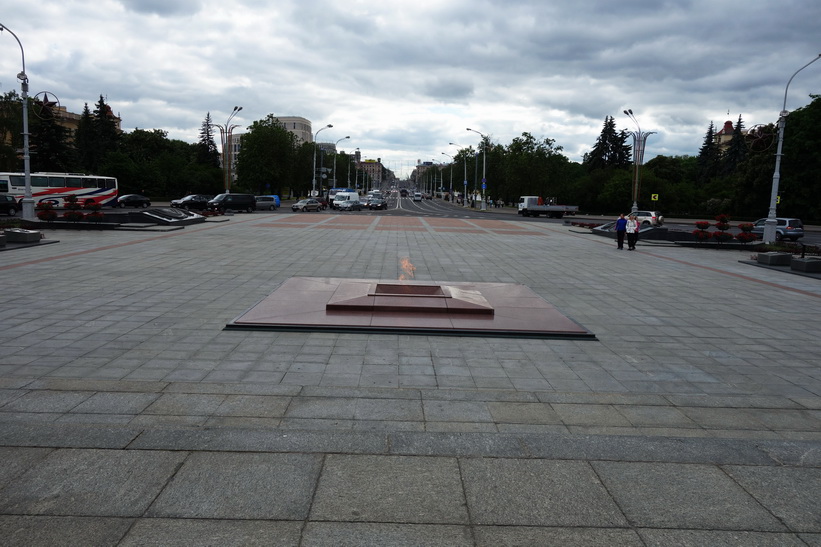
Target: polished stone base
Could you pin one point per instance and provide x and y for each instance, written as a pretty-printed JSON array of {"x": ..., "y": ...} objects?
[{"x": 410, "y": 307}]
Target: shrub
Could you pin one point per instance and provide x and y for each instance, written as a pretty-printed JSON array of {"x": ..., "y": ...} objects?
[{"x": 73, "y": 216}]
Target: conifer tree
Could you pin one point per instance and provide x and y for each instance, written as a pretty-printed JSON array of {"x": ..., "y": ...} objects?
[
  {"x": 207, "y": 153},
  {"x": 736, "y": 152},
  {"x": 708, "y": 157}
]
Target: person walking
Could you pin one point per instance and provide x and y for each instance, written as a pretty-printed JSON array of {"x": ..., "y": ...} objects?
[
  {"x": 632, "y": 230},
  {"x": 621, "y": 229}
]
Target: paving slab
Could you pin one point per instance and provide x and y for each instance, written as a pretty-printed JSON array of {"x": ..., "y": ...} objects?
[
  {"x": 392, "y": 489},
  {"x": 664, "y": 495},
  {"x": 240, "y": 486},
  {"x": 515, "y": 492},
  {"x": 91, "y": 483},
  {"x": 333, "y": 534},
  {"x": 225, "y": 533},
  {"x": 27, "y": 531},
  {"x": 789, "y": 493}
]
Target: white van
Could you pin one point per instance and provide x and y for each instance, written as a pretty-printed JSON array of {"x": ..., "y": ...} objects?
[
  {"x": 417, "y": 196},
  {"x": 339, "y": 197}
]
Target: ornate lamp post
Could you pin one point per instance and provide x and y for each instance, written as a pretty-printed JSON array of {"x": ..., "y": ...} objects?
[
  {"x": 484, "y": 164},
  {"x": 28, "y": 202},
  {"x": 313, "y": 186},
  {"x": 337, "y": 143},
  {"x": 639, "y": 142},
  {"x": 771, "y": 222},
  {"x": 225, "y": 140}
]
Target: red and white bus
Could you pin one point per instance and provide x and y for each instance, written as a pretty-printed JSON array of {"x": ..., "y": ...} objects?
[{"x": 55, "y": 187}]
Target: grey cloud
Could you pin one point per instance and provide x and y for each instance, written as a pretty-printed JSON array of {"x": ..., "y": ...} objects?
[{"x": 163, "y": 7}]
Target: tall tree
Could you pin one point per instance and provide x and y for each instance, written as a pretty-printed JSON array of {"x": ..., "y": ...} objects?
[
  {"x": 85, "y": 141},
  {"x": 207, "y": 153},
  {"x": 736, "y": 152},
  {"x": 267, "y": 157},
  {"x": 51, "y": 149},
  {"x": 610, "y": 150},
  {"x": 11, "y": 134},
  {"x": 708, "y": 157},
  {"x": 107, "y": 133}
]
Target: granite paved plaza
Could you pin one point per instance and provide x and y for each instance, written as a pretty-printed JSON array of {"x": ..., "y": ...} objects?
[{"x": 130, "y": 416}]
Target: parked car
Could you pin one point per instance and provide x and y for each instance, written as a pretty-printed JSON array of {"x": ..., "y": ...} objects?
[
  {"x": 133, "y": 200},
  {"x": 8, "y": 205},
  {"x": 322, "y": 201},
  {"x": 789, "y": 228},
  {"x": 306, "y": 205},
  {"x": 377, "y": 203},
  {"x": 649, "y": 218},
  {"x": 349, "y": 205},
  {"x": 234, "y": 202},
  {"x": 267, "y": 203},
  {"x": 198, "y": 202}
]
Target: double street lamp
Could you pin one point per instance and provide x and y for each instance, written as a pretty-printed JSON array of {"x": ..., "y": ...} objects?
[
  {"x": 313, "y": 186},
  {"x": 484, "y": 164},
  {"x": 771, "y": 222},
  {"x": 28, "y": 202},
  {"x": 639, "y": 142},
  {"x": 225, "y": 140}
]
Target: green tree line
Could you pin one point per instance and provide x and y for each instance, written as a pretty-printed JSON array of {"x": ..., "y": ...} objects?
[{"x": 735, "y": 179}]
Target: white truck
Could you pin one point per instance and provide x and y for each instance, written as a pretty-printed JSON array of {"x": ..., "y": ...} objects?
[{"x": 536, "y": 205}]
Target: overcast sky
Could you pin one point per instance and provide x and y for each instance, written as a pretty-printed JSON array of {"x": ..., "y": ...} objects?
[{"x": 404, "y": 78}]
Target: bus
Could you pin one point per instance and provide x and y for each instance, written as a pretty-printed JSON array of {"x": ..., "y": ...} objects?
[{"x": 54, "y": 188}]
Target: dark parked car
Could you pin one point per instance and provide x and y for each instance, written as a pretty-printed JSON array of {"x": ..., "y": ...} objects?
[
  {"x": 377, "y": 203},
  {"x": 133, "y": 200},
  {"x": 306, "y": 205},
  {"x": 789, "y": 228},
  {"x": 8, "y": 205},
  {"x": 198, "y": 202},
  {"x": 234, "y": 202},
  {"x": 350, "y": 205}
]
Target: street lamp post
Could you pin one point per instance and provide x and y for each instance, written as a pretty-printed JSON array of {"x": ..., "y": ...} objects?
[
  {"x": 639, "y": 142},
  {"x": 465, "y": 195},
  {"x": 484, "y": 165},
  {"x": 225, "y": 141},
  {"x": 335, "y": 153},
  {"x": 451, "y": 175},
  {"x": 27, "y": 211},
  {"x": 771, "y": 222},
  {"x": 313, "y": 186}
]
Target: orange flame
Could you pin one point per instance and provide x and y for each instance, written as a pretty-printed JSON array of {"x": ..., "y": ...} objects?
[{"x": 407, "y": 269}]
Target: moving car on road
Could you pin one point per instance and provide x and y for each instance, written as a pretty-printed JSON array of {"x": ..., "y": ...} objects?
[
  {"x": 306, "y": 205},
  {"x": 786, "y": 228},
  {"x": 649, "y": 218},
  {"x": 350, "y": 205},
  {"x": 377, "y": 203}
]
